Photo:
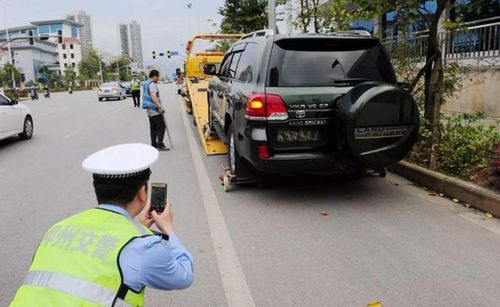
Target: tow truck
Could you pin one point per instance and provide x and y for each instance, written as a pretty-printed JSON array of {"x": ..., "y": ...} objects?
[{"x": 196, "y": 85}]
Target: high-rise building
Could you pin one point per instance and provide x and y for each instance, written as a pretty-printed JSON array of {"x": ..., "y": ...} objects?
[
  {"x": 86, "y": 40},
  {"x": 131, "y": 42},
  {"x": 124, "y": 39}
]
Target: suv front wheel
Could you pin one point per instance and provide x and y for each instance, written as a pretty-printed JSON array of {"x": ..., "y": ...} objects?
[{"x": 233, "y": 156}]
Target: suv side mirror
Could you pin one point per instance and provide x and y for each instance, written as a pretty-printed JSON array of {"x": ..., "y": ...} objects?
[
  {"x": 13, "y": 102},
  {"x": 210, "y": 69}
]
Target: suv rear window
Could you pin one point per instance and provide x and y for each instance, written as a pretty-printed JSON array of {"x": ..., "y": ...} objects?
[{"x": 312, "y": 62}]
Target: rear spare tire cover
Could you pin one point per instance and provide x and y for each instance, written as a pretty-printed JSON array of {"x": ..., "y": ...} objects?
[{"x": 378, "y": 124}]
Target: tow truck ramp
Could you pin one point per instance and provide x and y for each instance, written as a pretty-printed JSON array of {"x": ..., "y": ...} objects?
[{"x": 196, "y": 83}]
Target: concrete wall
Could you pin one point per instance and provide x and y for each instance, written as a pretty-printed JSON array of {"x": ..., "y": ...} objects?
[{"x": 480, "y": 93}]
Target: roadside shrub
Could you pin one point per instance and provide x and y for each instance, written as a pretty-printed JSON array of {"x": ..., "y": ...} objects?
[
  {"x": 467, "y": 149},
  {"x": 12, "y": 95}
]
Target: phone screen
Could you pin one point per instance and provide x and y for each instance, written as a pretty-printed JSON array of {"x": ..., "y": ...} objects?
[{"x": 158, "y": 196}]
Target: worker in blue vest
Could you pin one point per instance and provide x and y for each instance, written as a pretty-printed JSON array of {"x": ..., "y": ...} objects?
[
  {"x": 151, "y": 101},
  {"x": 108, "y": 255}
]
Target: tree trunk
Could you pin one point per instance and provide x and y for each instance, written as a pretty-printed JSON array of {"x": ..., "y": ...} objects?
[
  {"x": 434, "y": 81},
  {"x": 315, "y": 16},
  {"x": 433, "y": 109},
  {"x": 304, "y": 15}
]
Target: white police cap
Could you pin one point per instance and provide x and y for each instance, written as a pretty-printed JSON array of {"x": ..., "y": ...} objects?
[{"x": 121, "y": 161}]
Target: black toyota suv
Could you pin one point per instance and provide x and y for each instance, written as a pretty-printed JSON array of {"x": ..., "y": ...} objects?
[{"x": 324, "y": 104}]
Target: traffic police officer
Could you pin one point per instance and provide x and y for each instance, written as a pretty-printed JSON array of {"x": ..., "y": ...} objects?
[{"x": 107, "y": 255}]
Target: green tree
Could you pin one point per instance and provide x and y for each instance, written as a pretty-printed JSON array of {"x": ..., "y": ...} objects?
[
  {"x": 122, "y": 63},
  {"x": 89, "y": 66},
  {"x": 45, "y": 74},
  {"x": 6, "y": 75},
  {"x": 69, "y": 76},
  {"x": 243, "y": 16},
  {"x": 331, "y": 16}
]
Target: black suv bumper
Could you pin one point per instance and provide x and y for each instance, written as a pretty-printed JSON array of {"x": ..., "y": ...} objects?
[{"x": 306, "y": 163}]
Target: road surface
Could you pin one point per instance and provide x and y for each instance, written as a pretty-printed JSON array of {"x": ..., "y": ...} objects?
[{"x": 383, "y": 239}]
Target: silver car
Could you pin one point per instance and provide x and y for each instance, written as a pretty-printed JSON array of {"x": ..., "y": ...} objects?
[{"x": 111, "y": 90}]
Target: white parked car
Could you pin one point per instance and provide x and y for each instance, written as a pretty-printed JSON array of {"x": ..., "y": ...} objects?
[
  {"x": 111, "y": 90},
  {"x": 15, "y": 119}
]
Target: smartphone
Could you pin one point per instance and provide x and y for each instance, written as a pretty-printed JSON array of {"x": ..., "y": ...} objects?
[{"x": 158, "y": 196}]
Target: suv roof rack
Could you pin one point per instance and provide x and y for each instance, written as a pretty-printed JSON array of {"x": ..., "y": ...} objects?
[{"x": 259, "y": 33}]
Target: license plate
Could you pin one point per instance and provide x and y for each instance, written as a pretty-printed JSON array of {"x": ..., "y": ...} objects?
[
  {"x": 106, "y": 91},
  {"x": 295, "y": 135}
]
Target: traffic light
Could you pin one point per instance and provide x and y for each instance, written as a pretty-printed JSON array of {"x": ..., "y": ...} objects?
[
  {"x": 31, "y": 39},
  {"x": 178, "y": 72},
  {"x": 169, "y": 54},
  {"x": 59, "y": 36},
  {"x": 154, "y": 54},
  {"x": 23, "y": 77}
]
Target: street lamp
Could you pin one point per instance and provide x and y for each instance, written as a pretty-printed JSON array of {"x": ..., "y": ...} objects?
[
  {"x": 100, "y": 67},
  {"x": 8, "y": 44}
]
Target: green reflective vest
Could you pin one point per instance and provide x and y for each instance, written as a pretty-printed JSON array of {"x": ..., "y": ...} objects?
[
  {"x": 77, "y": 263},
  {"x": 135, "y": 85}
]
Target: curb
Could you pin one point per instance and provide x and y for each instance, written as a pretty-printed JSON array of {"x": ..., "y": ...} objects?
[{"x": 478, "y": 197}]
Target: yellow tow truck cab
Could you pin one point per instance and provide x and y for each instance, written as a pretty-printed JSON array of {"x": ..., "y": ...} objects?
[{"x": 196, "y": 85}]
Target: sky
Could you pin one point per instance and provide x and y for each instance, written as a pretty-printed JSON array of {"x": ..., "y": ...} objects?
[{"x": 165, "y": 24}]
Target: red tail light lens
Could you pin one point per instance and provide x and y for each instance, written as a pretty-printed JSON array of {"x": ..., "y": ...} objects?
[
  {"x": 266, "y": 106},
  {"x": 263, "y": 152}
]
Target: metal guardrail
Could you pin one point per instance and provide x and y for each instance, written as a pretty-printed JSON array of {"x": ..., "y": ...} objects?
[{"x": 475, "y": 42}]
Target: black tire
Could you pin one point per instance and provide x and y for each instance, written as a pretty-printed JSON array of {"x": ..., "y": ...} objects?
[
  {"x": 233, "y": 157},
  {"x": 27, "y": 129},
  {"x": 100, "y": 99}
]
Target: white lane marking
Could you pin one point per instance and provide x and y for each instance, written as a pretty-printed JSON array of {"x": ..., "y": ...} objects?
[
  {"x": 491, "y": 224},
  {"x": 233, "y": 279},
  {"x": 74, "y": 133}
]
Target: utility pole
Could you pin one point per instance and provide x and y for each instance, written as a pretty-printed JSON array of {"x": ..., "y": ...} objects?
[
  {"x": 4, "y": 4},
  {"x": 100, "y": 67},
  {"x": 272, "y": 15},
  {"x": 11, "y": 59}
]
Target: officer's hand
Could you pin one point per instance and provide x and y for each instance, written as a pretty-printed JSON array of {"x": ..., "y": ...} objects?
[
  {"x": 145, "y": 217},
  {"x": 164, "y": 220}
]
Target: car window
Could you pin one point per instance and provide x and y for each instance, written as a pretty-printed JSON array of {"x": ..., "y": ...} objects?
[
  {"x": 231, "y": 73},
  {"x": 248, "y": 63},
  {"x": 4, "y": 101},
  {"x": 322, "y": 62},
  {"x": 225, "y": 65}
]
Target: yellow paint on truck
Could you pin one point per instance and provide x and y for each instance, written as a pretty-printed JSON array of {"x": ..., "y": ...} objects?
[{"x": 197, "y": 84}]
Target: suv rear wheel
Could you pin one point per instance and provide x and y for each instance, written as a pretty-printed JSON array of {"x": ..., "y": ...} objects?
[{"x": 233, "y": 156}]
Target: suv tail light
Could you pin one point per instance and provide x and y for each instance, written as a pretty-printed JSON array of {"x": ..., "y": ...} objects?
[
  {"x": 263, "y": 152},
  {"x": 266, "y": 107}
]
